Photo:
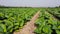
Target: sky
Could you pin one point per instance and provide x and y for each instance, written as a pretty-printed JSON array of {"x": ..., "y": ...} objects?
[{"x": 30, "y": 3}]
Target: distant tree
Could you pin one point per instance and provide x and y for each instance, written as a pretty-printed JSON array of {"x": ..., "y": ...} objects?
[
  {"x": 2, "y": 6},
  {"x": 59, "y": 6}
]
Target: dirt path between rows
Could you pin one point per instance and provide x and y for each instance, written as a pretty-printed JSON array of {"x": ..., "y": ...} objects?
[{"x": 29, "y": 27}]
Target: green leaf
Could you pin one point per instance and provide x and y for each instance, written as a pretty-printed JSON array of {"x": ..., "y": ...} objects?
[
  {"x": 46, "y": 29},
  {"x": 58, "y": 27},
  {"x": 1, "y": 29},
  {"x": 57, "y": 31}
]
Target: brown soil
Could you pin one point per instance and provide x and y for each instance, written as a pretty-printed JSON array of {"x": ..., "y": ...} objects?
[{"x": 29, "y": 27}]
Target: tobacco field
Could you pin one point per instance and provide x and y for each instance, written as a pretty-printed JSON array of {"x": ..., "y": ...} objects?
[{"x": 13, "y": 19}]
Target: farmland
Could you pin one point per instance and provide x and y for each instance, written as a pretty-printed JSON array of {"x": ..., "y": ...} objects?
[{"x": 13, "y": 19}]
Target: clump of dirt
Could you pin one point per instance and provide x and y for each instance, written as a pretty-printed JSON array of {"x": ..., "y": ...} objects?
[{"x": 29, "y": 27}]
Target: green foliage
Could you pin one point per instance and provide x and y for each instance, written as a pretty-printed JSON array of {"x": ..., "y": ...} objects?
[
  {"x": 54, "y": 11},
  {"x": 12, "y": 19},
  {"x": 47, "y": 24}
]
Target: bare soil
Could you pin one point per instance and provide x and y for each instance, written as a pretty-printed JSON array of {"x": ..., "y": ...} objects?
[{"x": 29, "y": 27}]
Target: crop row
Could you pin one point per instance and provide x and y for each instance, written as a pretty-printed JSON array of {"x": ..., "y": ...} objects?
[
  {"x": 13, "y": 19},
  {"x": 47, "y": 23}
]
